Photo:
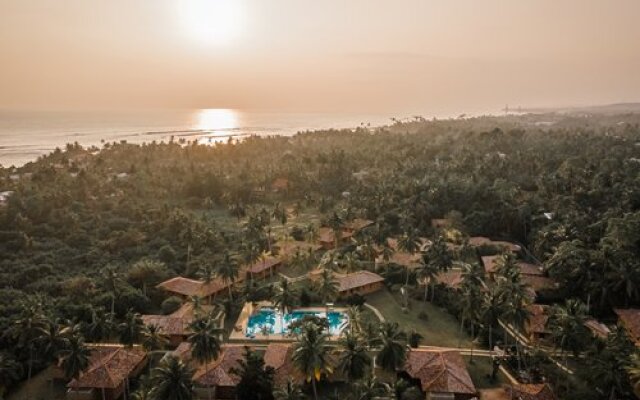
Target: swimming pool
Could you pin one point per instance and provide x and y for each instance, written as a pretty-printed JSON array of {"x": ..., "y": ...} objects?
[{"x": 273, "y": 322}]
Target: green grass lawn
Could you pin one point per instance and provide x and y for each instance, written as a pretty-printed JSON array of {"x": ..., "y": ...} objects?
[
  {"x": 480, "y": 372},
  {"x": 441, "y": 328}
]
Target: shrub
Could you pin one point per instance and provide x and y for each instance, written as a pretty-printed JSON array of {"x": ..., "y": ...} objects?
[{"x": 356, "y": 300}]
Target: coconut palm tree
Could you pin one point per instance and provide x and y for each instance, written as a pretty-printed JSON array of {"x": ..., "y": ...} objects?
[
  {"x": 205, "y": 341},
  {"x": 355, "y": 319},
  {"x": 27, "y": 330},
  {"x": 327, "y": 287},
  {"x": 52, "y": 340},
  {"x": 491, "y": 309},
  {"x": 111, "y": 279},
  {"x": 10, "y": 371},
  {"x": 566, "y": 324},
  {"x": 393, "y": 346},
  {"x": 310, "y": 354},
  {"x": 130, "y": 330},
  {"x": 353, "y": 359},
  {"x": 370, "y": 388},
  {"x": 153, "y": 339},
  {"x": 409, "y": 242},
  {"x": 99, "y": 327},
  {"x": 171, "y": 380},
  {"x": 74, "y": 356},
  {"x": 285, "y": 296},
  {"x": 291, "y": 391},
  {"x": 335, "y": 223},
  {"x": 227, "y": 269},
  {"x": 427, "y": 273},
  {"x": 634, "y": 373}
]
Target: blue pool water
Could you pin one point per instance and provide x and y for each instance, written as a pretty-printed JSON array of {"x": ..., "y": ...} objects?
[{"x": 275, "y": 323}]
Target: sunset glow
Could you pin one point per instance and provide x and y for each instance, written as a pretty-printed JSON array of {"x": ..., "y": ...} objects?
[{"x": 212, "y": 22}]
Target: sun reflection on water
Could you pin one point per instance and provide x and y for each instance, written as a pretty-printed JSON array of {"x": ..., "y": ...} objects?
[{"x": 217, "y": 125}]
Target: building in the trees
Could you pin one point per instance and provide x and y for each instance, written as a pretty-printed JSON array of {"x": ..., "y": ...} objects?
[
  {"x": 529, "y": 391},
  {"x": 361, "y": 282},
  {"x": 536, "y": 325},
  {"x": 176, "y": 326},
  {"x": 629, "y": 319},
  {"x": 187, "y": 288},
  {"x": 597, "y": 328},
  {"x": 289, "y": 248},
  {"x": 327, "y": 237},
  {"x": 441, "y": 373},
  {"x": 499, "y": 245},
  {"x": 110, "y": 368},
  {"x": 264, "y": 267},
  {"x": 278, "y": 357},
  {"x": 451, "y": 279}
]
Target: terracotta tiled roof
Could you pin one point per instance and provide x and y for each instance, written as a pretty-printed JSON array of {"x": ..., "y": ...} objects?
[
  {"x": 176, "y": 323},
  {"x": 439, "y": 371},
  {"x": 597, "y": 328},
  {"x": 538, "y": 283},
  {"x": 326, "y": 235},
  {"x": 183, "y": 352},
  {"x": 490, "y": 263},
  {"x": 452, "y": 279},
  {"x": 109, "y": 366},
  {"x": 218, "y": 372},
  {"x": 540, "y": 391},
  {"x": 357, "y": 279},
  {"x": 358, "y": 224},
  {"x": 280, "y": 184},
  {"x": 630, "y": 320},
  {"x": 278, "y": 356},
  {"x": 519, "y": 392},
  {"x": 264, "y": 265},
  {"x": 289, "y": 248},
  {"x": 529, "y": 269},
  {"x": 485, "y": 241},
  {"x": 191, "y": 287},
  {"x": 537, "y": 322}
]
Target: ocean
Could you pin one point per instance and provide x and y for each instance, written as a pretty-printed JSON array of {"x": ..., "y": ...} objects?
[{"x": 25, "y": 135}]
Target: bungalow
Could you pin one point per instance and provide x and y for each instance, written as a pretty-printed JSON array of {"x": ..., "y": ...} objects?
[
  {"x": 327, "y": 237},
  {"x": 357, "y": 225},
  {"x": 479, "y": 241},
  {"x": 597, "y": 328},
  {"x": 287, "y": 249},
  {"x": 451, "y": 279},
  {"x": 217, "y": 375},
  {"x": 520, "y": 391},
  {"x": 187, "y": 288},
  {"x": 536, "y": 325},
  {"x": 629, "y": 319},
  {"x": 264, "y": 267},
  {"x": 175, "y": 326},
  {"x": 110, "y": 368},
  {"x": 278, "y": 357},
  {"x": 361, "y": 282},
  {"x": 531, "y": 274},
  {"x": 442, "y": 374},
  {"x": 280, "y": 185}
]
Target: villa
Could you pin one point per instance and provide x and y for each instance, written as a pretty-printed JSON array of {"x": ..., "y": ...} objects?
[
  {"x": 187, "y": 288},
  {"x": 531, "y": 274},
  {"x": 480, "y": 241},
  {"x": 215, "y": 376},
  {"x": 278, "y": 357},
  {"x": 175, "y": 326},
  {"x": 110, "y": 368},
  {"x": 536, "y": 325},
  {"x": 361, "y": 282},
  {"x": 327, "y": 237},
  {"x": 629, "y": 319},
  {"x": 597, "y": 328},
  {"x": 529, "y": 391},
  {"x": 264, "y": 267},
  {"x": 451, "y": 279},
  {"x": 442, "y": 374}
]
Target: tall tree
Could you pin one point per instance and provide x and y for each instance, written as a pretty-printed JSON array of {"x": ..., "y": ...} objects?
[
  {"x": 228, "y": 270},
  {"x": 130, "y": 329},
  {"x": 393, "y": 346},
  {"x": 10, "y": 371},
  {"x": 205, "y": 343},
  {"x": 311, "y": 354},
  {"x": 256, "y": 380},
  {"x": 353, "y": 359},
  {"x": 171, "y": 380},
  {"x": 74, "y": 356}
]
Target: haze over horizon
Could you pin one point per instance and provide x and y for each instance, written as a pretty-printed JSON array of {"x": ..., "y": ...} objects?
[{"x": 432, "y": 57}]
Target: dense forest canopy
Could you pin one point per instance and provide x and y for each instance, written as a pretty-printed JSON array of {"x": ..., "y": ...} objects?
[{"x": 565, "y": 186}]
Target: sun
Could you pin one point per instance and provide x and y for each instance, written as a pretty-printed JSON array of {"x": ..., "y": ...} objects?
[{"x": 217, "y": 22}]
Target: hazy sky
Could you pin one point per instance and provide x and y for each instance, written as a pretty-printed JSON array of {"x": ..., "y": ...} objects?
[{"x": 427, "y": 56}]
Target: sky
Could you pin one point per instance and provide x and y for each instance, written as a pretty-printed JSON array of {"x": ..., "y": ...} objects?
[{"x": 422, "y": 56}]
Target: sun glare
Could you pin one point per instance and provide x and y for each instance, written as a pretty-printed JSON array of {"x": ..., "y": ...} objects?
[
  {"x": 217, "y": 22},
  {"x": 214, "y": 119}
]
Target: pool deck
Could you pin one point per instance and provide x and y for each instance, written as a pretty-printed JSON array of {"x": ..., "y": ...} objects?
[{"x": 239, "y": 329}]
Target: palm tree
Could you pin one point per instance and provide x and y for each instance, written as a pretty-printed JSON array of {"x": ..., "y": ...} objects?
[
  {"x": 74, "y": 356},
  {"x": 491, "y": 309},
  {"x": 147, "y": 272},
  {"x": 100, "y": 326},
  {"x": 566, "y": 324},
  {"x": 205, "y": 343},
  {"x": 634, "y": 373},
  {"x": 353, "y": 359},
  {"x": 52, "y": 339},
  {"x": 285, "y": 295},
  {"x": 335, "y": 223},
  {"x": 10, "y": 371},
  {"x": 171, "y": 380},
  {"x": 393, "y": 346},
  {"x": 28, "y": 329},
  {"x": 428, "y": 273},
  {"x": 370, "y": 388},
  {"x": 111, "y": 279},
  {"x": 130, "y": 330},
  {"x": 290, "y": 391},
  {"x": 310, "y": 354},
  {"x": 355, "y": 319},
  {"x": 409, "y": 242},
  {"x": 327, "y": 286},
  {"x": 153, "y": 339},
  {"x": 227, "y": 269}
]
